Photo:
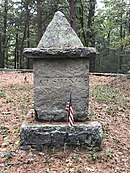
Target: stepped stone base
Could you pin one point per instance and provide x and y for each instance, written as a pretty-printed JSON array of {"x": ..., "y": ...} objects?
[{"x": 53, "y": 136}]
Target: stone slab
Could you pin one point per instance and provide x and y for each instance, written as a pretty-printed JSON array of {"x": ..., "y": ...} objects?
[
  {"x": 35, "y": 53},
  {"x": 53, "y": 82},
  {"x": 55, "y": 136}
]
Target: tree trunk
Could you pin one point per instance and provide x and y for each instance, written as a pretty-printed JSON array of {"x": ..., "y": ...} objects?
[
  {"x": 108, "y": 37},
  {"x": 27, "y": 17},
  {"x": 81, "y": 14},
  {"x": 90, "y": 32},
  {"x": 129, "y": 19},
  {"x": 121, "y": 37},
  {"x": 1, "y": 56},
  {"x": 28, "y": 43},
  {"x": 39, "y": 20},
  {"x": 4, "y": 38},
  {"x": 73, "y": 14},
  {"x": 16, "y": 54}
]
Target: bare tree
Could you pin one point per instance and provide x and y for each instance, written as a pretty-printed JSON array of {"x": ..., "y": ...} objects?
[
  {"x": 73, "y": 13},
  {"x": 82, "y": 23},
  {"x": 26, "y": 24},
  {"x": 90, "y": 31},
  {"x": 1, "y": 56},
  {"x": 16, "y": 54},
  {"x": 4, "y": 37},
  {"x": 39, "y": 19}
]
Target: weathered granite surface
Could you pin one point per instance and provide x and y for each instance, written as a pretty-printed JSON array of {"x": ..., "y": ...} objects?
[
  {"x": 86, "y": 52},
  {"x": 49, "y": 136},
  {"x": 54, "y": 80},
  {"x": 59, "y": 34}
]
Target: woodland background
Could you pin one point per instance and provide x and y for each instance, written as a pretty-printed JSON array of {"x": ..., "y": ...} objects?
[{"x": 22, "y": 23}]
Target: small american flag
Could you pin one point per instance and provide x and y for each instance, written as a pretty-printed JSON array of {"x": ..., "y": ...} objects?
[{"x": 69, "y": 110}]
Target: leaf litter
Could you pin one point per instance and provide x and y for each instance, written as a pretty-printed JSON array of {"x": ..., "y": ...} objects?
[{"x": 109, "y": 104}]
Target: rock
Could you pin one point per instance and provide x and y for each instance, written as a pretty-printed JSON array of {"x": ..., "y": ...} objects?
[
  {"x": 55, "y": 136},
  {"x": 64, "y": 53},
  {"x": 53, "y": 81},
  {"x": 59, "y": 34}
]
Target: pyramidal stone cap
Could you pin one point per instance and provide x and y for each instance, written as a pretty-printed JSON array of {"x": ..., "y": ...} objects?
[
  {"x": 59, "y": 34},
  {"x": 59, "y": 40}
]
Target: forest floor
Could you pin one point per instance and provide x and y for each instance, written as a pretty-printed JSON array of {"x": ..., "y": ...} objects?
[{"x": 109, "y": 105}]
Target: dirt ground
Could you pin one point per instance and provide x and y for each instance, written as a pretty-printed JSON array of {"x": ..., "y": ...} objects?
[{"x": 109, "y": 104}]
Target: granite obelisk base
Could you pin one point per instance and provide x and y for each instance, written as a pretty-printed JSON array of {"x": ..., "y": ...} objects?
[{"x": 53, "y": 136}]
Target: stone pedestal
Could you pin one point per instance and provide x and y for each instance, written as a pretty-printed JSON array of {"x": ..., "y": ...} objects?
[
  {"x": 61, "y": 67},
  {"x": 57, "y": 136},
  {"x": 57, "y": 72}
]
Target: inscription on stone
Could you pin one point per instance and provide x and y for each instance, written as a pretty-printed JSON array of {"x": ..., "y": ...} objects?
[{"x": 61, "y": 81}]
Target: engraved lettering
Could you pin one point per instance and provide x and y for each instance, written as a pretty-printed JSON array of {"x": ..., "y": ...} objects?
[
  {"x": 61, "y": 81},
  {"x": 71, "y": 80},
  {"x": 79, "y": 81},
  {"x": 54, "y": 81}
]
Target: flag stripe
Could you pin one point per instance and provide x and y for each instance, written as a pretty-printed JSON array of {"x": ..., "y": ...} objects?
[{"x": 69, "y": 110}]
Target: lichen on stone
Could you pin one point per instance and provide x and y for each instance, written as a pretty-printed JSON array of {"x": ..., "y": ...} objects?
[{"x": 59, "y": 34}]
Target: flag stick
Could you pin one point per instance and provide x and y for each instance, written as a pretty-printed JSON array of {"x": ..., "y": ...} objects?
[{"x": 67, "y": 126}]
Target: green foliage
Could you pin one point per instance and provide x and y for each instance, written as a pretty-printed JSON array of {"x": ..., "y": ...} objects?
[
  {"x": 2, "y": 93},
  {"x": 112, "y": 95},
  {"x": 112, "y": 37},
  {"x": 4, "y": 131},
  {"x": 110, "y": 29},
  {"x": 106, "y": 94},
  {"x": 92, "y": 155}
]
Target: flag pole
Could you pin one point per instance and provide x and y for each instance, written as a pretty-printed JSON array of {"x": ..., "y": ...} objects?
[
  {"x": 70, "y": 119},
  {"x": 67, "y": 126},
  {"x": 66, "y": 135}
]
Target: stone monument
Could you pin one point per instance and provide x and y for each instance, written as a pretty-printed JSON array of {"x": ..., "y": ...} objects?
[{"x": 61, "y": 67}]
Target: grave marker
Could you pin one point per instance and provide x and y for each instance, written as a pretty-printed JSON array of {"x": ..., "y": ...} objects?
[{"x": 61, "y": 66}]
